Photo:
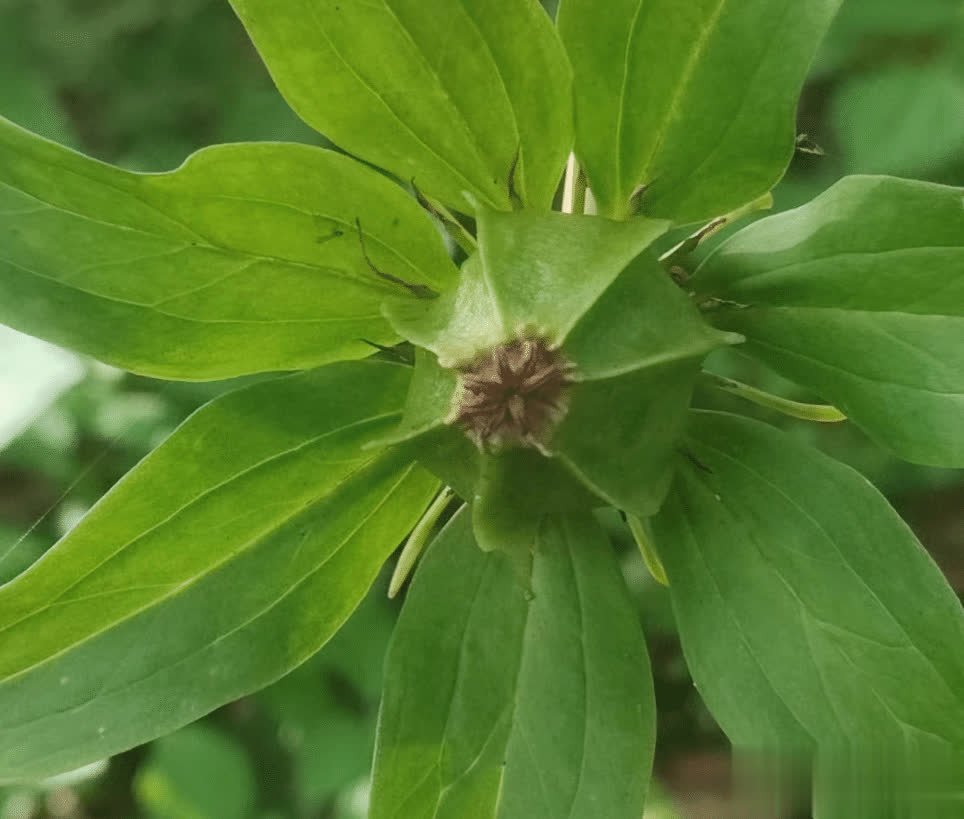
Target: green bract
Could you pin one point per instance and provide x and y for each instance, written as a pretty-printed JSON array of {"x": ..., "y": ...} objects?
[{"x": 554, "y": 372}]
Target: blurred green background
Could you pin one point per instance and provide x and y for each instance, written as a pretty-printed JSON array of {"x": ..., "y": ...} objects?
[{"x": 143, "y": 83}]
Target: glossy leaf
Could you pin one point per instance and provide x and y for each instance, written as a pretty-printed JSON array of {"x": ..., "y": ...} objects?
[
  {"x": 247, "y": 258},
  {"x": 808, "y": 611},
  {"x": 226, "y": 558},
  {"x": 696, "y": 100},
  {"x": 535, "y": 273},
  {"x": 859, "y": 296},
  {"x": 467, "y": 96},
  {"x": 516, "y": 688}
]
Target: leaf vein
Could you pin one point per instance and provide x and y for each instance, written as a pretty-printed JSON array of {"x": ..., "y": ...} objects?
[
  {"x": 242, "y": 625},
  {"x": 374, "y": 92},
  {"x": 828, "y": 538},
  {"x": 202, "y": 495}
]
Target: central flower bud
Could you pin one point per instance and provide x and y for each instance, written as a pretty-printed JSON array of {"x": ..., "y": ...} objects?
[{"x": 514, "y": 394}]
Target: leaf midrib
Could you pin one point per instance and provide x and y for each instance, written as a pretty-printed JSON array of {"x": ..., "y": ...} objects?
[
  {"x": 205, "y": 244},
  {"x": 463, "y": 121},
  {"x": 735, "y": 286},
  {"x": 583, "y": 665},
  {"x": 328, "y": 558},
  {"x": 374, "y": 92},
  {"x": 672, "y": 113},
  {"x": 794, "y": 354},
  {"x": 696, "y": 349},
  {"x": 742, "y": 465},
  {"x": 250, "y": 470},
  {"x": 153, "y": 308},
  {"x": 350, "y": 226},
  {"x": 731, "y": 615}
]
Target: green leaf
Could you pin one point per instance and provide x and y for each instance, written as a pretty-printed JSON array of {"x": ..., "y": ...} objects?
[
  {"x": 636, "y": 353},
  {"x": 465, "y": 96},
  {"x": 516, "y": 690},
  {"x": 536, "y": 273},
  {"x": 642, "y": 321},
  {"x": 444, "y": 450},
  {"x": 248, "y": 258},
  {"x": 455, "y": 326},
  {"x": 429, "y": 399},
  {"x": 225, "y": 559},
  {"x": 694, "y": 100},
  {"x": 448, "y": 454},
  {"x": 859, "y": 296},
  {"x": 516, "y": 489},
  {"x": 620, "y": 435},
  {"x": 808, "y": 611},
  {"x": 18, "y": 550},
  {"x": 634, "y": 338},
  {"x": 901, "y": 119},
  {"x": 548, "y": 270}
]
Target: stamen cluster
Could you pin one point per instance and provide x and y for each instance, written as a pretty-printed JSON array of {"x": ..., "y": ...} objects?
[{"x": 514, "y": 394}]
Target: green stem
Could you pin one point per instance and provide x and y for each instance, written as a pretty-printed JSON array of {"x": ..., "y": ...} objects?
[
  {"x": 824, "y": 413},
  {"x": 417, "y": 540},
  {"x": 646, "y": 549},
  {"x": 675, "y": 255},
  {"x": 574, "y": 188},
  {"x": 456, "y": 229}
]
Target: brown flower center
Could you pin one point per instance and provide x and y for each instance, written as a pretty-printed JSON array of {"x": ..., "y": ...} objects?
[{"x": 515, "y": 394}]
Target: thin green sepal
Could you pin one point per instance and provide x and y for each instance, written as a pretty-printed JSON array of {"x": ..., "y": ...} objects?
[
  {"x": 823, "y": 413},
  {"x": 417, "y": 540},
  {"x": 646, "y": 549}
]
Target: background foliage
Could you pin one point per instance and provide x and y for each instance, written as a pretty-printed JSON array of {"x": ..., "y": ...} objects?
[{"x": 142, "y": 83}]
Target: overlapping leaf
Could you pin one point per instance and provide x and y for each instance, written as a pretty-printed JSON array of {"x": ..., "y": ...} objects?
[
  {"x": 620, "y": 434},
  {"x": 248, "y": 258},
  {"x": 694, "y": 100},
  {"x": 230, "y": 555},
  {"x": 535, "y": 273},
  {"x": 636, "y": 353},
  {"x": 859, "y": 295},
  {"x": 642, "y": 321},
  {"x": 584, "y": 283},
  {"x": 455, "y": 95},
  {"x": 516, "y": 688}
]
